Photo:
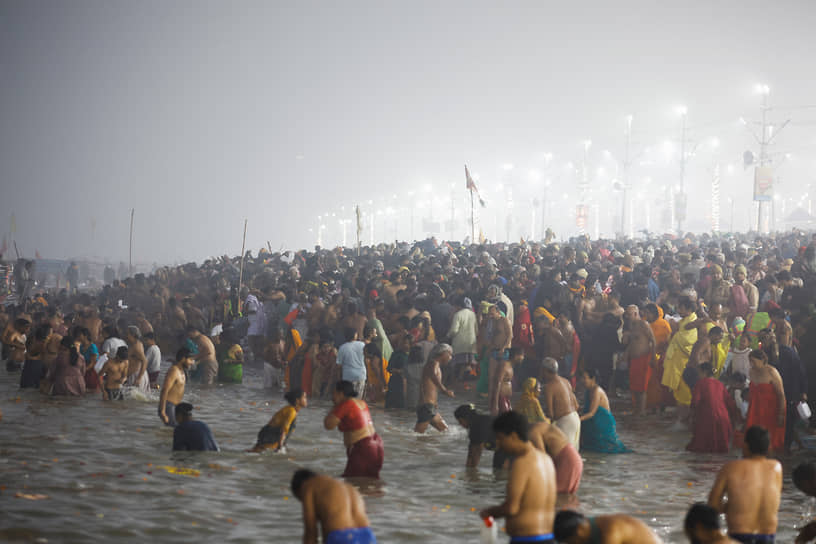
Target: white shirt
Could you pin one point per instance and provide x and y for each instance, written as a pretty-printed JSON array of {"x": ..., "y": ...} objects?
[
  {"x": 112, "y": 345},
  {"x": 153, "y": 355}
]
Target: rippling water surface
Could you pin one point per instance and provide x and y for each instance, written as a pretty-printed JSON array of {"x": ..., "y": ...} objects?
[{"x": 106, "y": 468}]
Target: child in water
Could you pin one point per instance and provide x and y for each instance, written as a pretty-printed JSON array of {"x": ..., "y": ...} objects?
[{"x": 274, "y": 434}]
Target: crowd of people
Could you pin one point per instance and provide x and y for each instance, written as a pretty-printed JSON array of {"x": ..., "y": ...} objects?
[{"x": 715, "y": 331}]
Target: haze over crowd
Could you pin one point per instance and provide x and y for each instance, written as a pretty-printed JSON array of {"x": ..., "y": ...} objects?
[{"x": 202, "y": 114}]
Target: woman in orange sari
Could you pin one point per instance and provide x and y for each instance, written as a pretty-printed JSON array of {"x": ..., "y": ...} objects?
[
  {"x": 290, "y": 349},
  {"x": 378, "y": 376}
]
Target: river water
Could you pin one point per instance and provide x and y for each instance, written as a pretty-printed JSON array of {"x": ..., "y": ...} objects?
[{"x": 110, "y": 476}]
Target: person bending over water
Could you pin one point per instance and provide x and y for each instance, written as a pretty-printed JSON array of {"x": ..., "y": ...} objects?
[
  {"x": 599, "y": 430},
  {"x": 754, "y": 489},
  {"x": 336, "y": 506},
  {"x": 173, "y": 389},
  {"x": 190, "y": 435},
  {"x": 568, "y": 463},
  {"x": 702, "y": 526},
  {"x": 480, "y": 436},
  {"x": 428, "y": 411},
  {"x": 573, "y": 528},
  {"x": 364, "y": 447},
  {"x": 274, "y": 434},
  {"x": 530, "y": 503}
]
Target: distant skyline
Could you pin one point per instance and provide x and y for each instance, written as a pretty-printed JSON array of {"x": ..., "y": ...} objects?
[{"x": 200, "y": 114}]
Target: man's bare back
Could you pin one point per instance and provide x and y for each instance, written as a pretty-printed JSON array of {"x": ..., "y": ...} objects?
[
  {"x": 332, "y": 503},
  {"x": 754, "y": 488},
  {"x": 548, "y": 438},
  {"x": 533, "y": 476},
  {"x": 559, "y": 400}
]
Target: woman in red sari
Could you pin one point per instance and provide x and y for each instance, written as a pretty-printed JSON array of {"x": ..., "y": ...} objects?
[
  {"x": 766, "y": 406},
  {"x": 710, "y": 420}
]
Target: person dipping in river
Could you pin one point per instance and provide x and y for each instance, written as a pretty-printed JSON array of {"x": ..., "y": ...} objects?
[
  {"x": 569, "y": 467},
  {"x": 502, "y": 400},
  {"x": 173, "y": 389},
  {"x": 702, "y": 526},
  {"x": 428, "y": 411},
  {"x": 114, "y": 375},
  {"x": 364, "y": 447},
  {"x": 530, "y": 503},
  {"x": 335, "y": 505},
  {"x": 273, "y": 435},
  {"x": 573, "y": 528},
  {"x": 598, "y": 427},
  {"x": 480, "y": 436}
]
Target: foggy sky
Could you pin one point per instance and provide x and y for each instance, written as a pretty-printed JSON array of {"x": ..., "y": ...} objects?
[{"x": 200, "y": 114}]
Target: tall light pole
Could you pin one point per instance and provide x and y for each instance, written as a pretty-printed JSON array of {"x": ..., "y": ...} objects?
[
  {"x": 584, "y": 187},
  {"x": 680, "y": 203},
  {"x": 626, "y": 175}
]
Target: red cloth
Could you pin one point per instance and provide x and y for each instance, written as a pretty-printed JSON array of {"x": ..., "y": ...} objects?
[
  {"x": 568, "y": 470},
  {"x": 352, "y": 417},
  {"x": 365, "y": 458},
  {"x": 523, "y": 329},
  {"x": 762, "y": 411},
  {"x": 712, "y": 424},
  {"x": 639, "y": 373},
  {"x": 91, "y": 379}
]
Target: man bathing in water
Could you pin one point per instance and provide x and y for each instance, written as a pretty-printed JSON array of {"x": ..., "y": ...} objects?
[
  {"x": 569, "y": 466},
  {"x": 640, "y": 353},
  {"x": 530, "y": 503},
  {"x": 137, "y": 361},
  {"x": 560, "y": 403},
  {"x": 205, "y": 358},
  {"x": 427, "y": 411},
  {"x": 504, "y": 382},
  {"x": 333, "y": 504},
  {"x": 573, "y": 528},
  {"x": 114, "y": 372},
  {"x": 173, "y": 389},
  {"x": 754, "y": 488}
]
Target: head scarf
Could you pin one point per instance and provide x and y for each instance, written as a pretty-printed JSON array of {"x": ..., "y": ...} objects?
[{"x": 529, "y": 387}]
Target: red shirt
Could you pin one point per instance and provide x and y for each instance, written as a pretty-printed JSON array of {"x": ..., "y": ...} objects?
[{"x": 352, "y": 417}]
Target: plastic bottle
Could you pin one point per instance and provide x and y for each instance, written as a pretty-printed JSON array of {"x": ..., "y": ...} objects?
[{"x": 490, "y": 531}]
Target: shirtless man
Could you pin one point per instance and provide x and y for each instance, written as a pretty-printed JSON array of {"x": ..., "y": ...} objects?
[
  {"x": 173, "y": 389},
  {"x": 502, "y": 401},
  {"x": 431, "y": 384},
  {"x": 573, "y": 528},
  {"x": 205, "y": 358},
  {"x": 568, "y": 463},
  {"x": 498, "y": 346},
  {"x": 754, "y": 487},
  {"x": 702, "y": 526},
  {"x": 640, "y": 352},
  {"x": 530, "y": 503},
  {"x": 335, "y": 505},
  {"x": 14, "y": 339},
  {"x": 137, "y": 361},
  {"x": 114, "y": 374},
  {"x": 560, "y": 404}
]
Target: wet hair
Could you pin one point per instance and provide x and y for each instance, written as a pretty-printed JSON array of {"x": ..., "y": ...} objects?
[
  {"x": 293, "y": 395},
  {"x": 367, "y": 330},
  {"x": 189, "y": 328},
  {"x": 714, "y": 331},
  {"x": 759, "y": 355},
  {"x": 512, "y": 422},
  {"x": 149, "y": 336},
  {"x": 184, "y": 409},
  {"x": 122, "y": 352},
  {"x": 346, "y": 388},
  {"x": 806, "y": 472},
  {"x": 566, "y": 523},
  {"x": 110, "y": 330},
  {"x": 465, "y": 411},
  {"x": 706, "y": 369},
  {"x": 592, "y": 373},
  {"x": 349, "y": 333},
  {"x": 757, "y": 440},
  {"x": 299, "y": 477},
  {"x": 73, "y": 354},
  {"x": 83, "y": 331},
  {"x": 652, "y": 308},
  {"x": 182, "y": 353}
]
